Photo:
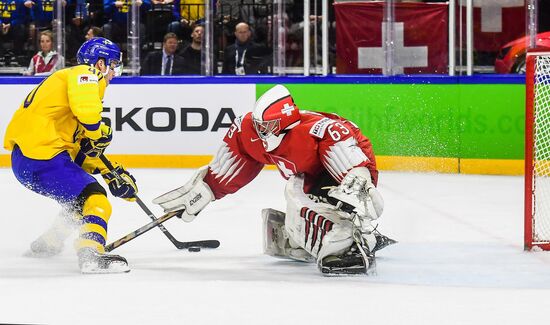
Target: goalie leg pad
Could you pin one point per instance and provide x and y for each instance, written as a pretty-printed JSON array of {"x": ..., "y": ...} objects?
[
  {"x": 276, "y": 239},
  {"x": 320, "y": 229}
]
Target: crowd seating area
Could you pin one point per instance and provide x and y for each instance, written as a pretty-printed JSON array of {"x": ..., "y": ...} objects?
[{"x": 242, "y": 34}]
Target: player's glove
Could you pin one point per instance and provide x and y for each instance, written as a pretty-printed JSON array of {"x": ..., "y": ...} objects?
[
  {"x": 359, "y": 193},
  {"x": 124, "y": 186},
  {"x": 95, "y": 148}
]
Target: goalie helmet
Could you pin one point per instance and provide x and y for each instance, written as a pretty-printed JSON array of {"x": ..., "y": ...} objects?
[
  {"x": 274, "y": 115},
  {"x": 100, "y": 48}
]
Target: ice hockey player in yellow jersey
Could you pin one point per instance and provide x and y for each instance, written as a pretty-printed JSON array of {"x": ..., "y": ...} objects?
[{"x": 56, "y": 137}]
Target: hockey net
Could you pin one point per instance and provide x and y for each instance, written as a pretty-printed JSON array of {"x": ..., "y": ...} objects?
[{"x": 537, "y": 152}]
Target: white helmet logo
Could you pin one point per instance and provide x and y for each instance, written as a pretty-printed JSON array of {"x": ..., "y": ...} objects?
[{"x": 287, "y": 109}]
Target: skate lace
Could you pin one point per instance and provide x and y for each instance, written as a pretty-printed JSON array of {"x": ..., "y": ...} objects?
[{"x": 360, "y": 243}]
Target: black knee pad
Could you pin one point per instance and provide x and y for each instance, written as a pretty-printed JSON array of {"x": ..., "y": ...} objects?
[{"x": 89, "y": 190}]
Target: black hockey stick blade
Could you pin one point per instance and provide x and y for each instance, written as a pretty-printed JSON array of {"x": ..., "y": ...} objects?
[
  {"x": 211, "y": 243},
  {"x": 141, "y": 231}
]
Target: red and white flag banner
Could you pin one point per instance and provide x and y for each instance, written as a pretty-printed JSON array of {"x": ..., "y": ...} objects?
[
  {"x": 421, "y": 37},
  {"x": 496, "y": 22}
]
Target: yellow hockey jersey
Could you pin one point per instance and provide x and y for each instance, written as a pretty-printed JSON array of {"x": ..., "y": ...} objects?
[{"x": 57, "y": 113}]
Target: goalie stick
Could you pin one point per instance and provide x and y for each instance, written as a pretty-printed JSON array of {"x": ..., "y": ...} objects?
[
  {"x": 177, "y": 243},
  {"x": 155, "y": 223}
]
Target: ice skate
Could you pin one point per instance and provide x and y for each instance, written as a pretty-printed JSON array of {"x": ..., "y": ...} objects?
[
  {"x": 51, "y": 242},
  {"x": 356, "y": 260},
  {"x": 43, "y": 247},
  {"x": 91, "y": 261}
]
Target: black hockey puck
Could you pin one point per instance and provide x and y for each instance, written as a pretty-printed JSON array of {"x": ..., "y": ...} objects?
[{"x": 194, "y": 249}]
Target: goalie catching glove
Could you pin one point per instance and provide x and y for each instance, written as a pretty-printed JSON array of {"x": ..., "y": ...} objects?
[
  {"x": 95, "y": 147},
  {"x": 193, "y": 197},
  {"x": 124, "y": 186},
  {"x": 359, "y": 193}
]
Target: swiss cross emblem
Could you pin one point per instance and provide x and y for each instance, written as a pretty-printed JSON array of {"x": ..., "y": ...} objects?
[
  {"x": 491, "y": 13},
  {"x": 287, "y": 109},
  {"x": 286, "y": 167},
  {"x": 406, "y": 56}
]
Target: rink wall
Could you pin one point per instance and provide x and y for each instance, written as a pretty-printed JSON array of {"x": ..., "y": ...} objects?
[{"x": 417, "y": 123}]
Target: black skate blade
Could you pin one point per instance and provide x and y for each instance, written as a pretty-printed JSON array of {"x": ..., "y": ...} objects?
[
  {"x": 349, "y": 270},
  {"x": 338, "y": 271}
]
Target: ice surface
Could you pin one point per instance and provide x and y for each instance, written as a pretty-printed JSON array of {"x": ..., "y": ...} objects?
[{"x": 459, "y": 261}]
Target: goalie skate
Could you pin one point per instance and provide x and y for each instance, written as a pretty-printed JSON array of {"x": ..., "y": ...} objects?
[
  {"x": 382, "y": 241},
  {"x": 350, "y": 262},
  {"x": 93, "y": 262}
]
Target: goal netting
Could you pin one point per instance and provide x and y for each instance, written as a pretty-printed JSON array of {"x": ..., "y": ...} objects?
[{"x": 537, "y": 153}]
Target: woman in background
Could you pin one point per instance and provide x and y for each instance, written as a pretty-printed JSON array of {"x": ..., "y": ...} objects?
[{"x": 46, "y": 61}]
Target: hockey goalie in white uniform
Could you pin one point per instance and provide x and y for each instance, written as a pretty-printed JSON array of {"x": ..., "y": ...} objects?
[{"x": 332, "y": 201}]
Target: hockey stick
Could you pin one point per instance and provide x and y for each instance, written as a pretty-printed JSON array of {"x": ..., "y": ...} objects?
[
  {"x": 142, "y": 230},
  {"x": 155, "y": 223},
  {"x": 177, "y": 243}
]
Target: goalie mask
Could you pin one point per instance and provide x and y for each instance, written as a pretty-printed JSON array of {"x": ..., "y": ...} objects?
[{"x": 274, "y": 115}]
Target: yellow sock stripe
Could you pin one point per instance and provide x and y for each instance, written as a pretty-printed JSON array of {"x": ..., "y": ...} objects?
[
  {"x": 97, "y": 206},
  {"x": 82, "y": 243}
]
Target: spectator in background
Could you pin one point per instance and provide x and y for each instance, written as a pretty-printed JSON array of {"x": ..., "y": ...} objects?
[
  {"x": 14, "y": 19},
  {"x": 41, "y": 13},
  {"x": 76, "y": 16},
  {"x": 192, "y": 53},
  {"x": 255, "y": 13},
  {"x": 116, "y": 13},
  {"x": 95, "y": 13},
  {"x": 93, "y": 32},
  {"x": 244, "y": 56},
  {"x": 186, "y": 14},
  {"x": 158, "y": 20},
  {"x": 162, "y": 2},
  {"x": 46, "y": 61},
  {"x": 165, "y": 62}
]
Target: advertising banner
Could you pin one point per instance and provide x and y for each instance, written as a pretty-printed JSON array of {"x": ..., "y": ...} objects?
[
  {"x": 420, "y": 31},
  {"x": 173, "y": 119},
  {"x": 159, "y": 119}
]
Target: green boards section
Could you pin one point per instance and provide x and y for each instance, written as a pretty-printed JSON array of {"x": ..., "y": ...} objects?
[{"x": 484, "y": 121}]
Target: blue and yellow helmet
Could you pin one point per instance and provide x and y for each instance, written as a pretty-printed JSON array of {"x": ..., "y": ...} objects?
[{"x": 100, "y": 48}]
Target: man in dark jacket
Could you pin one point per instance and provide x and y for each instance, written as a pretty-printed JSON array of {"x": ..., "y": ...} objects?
[
  {"x": 165, "y": 62},
  {"x": 192, "y": 53},
  {"x": 245, "y": 56}
]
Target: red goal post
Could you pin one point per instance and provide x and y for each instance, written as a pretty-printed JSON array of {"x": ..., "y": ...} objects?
[{"x": 537, "y": 151}]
